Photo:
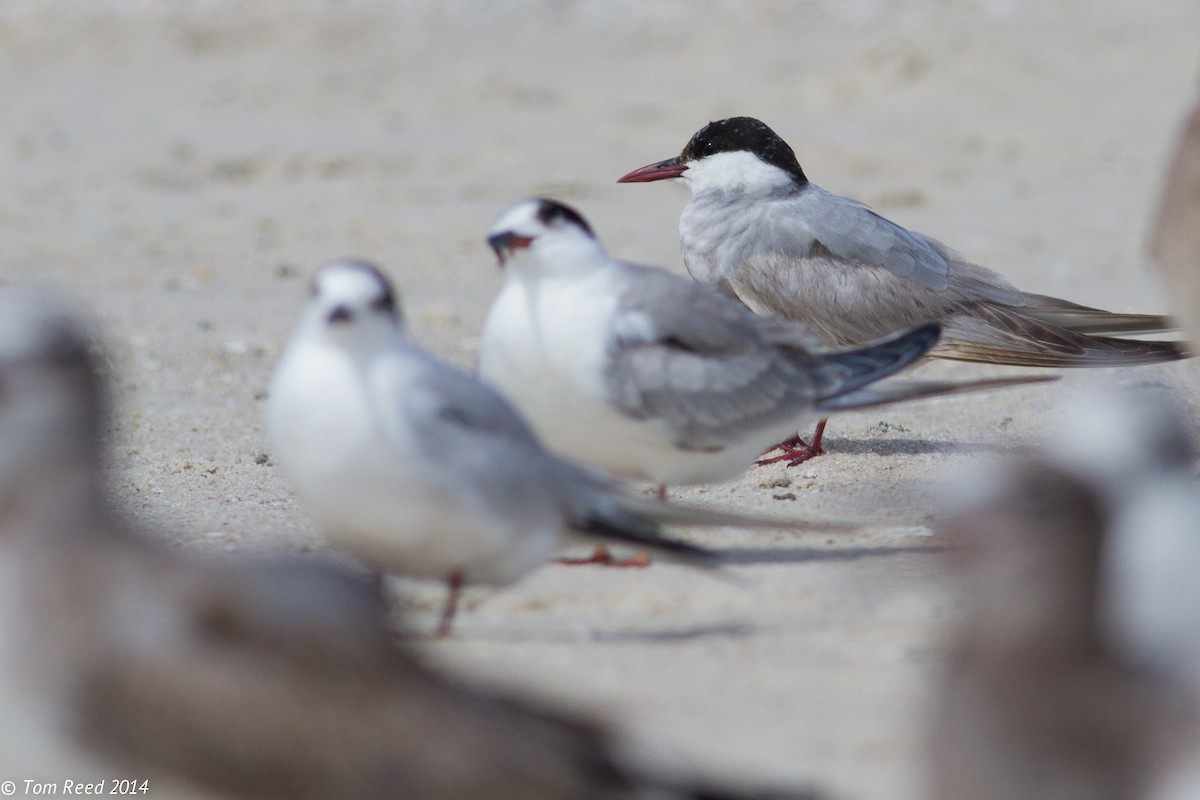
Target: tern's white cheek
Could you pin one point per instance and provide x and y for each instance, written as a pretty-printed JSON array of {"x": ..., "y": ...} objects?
[{"x": 735, "y": 171}]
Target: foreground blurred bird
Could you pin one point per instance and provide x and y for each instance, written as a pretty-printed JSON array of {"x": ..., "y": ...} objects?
[
  {"x": 759, "y": 230},
  {"x": 260, "y": 680},
  {"x": 1134, "y": 447},
  {"x": 1033, "y": 704},
  {"x": 1175, "y": 230},
  {"x": 419, "y": 468},
  {"x": 646, "y": 374}
]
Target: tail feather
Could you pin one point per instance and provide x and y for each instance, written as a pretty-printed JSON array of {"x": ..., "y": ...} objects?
[
  {"x": 601, "y": 508},
  {"x": 1001, "y": 335},
  {"x": 1088, "y": 320},
  {"x": 850, "y": 370},
  {"x": 638, "y": 521},
  {"x": 649, "y": 538},
  {"x": 899, "y": 390},
  {"x": 597, "y": 498}
]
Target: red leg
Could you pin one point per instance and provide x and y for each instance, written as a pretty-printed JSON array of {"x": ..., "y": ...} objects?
[
  {"x": 601, "y": 557},
  {"x": 795, "y": 455},
  {"x": 454, "y": 584},
  {"x": 787, "y": 444}
]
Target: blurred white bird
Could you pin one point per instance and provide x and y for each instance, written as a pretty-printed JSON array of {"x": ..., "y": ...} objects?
[
  {"x": 419, "y": 468},
  {"x": 1133, "y": 447},
  {"x": 1032, "y": 703},
  {"x": 265, "y": 680}
]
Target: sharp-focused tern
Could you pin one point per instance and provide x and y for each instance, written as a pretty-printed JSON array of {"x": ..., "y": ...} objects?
[{"x": 759, "y": 230}]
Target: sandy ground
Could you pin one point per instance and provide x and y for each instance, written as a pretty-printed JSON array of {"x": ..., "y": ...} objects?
[{"x": 181, "y": 168}]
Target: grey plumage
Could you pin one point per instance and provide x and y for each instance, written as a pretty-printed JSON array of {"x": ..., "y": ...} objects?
[
  {"x": 711, "y": 373},
  {"x": 490, "y": 445},
  {"x": 760, "y": 231},
  {"x": 420, "y": 469}
]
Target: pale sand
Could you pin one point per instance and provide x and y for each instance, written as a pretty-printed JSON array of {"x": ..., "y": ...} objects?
[{"x": 182, "y": 173}]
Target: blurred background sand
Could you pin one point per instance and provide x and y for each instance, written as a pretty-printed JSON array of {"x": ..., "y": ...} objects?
[{"x": 180, "y": 168}]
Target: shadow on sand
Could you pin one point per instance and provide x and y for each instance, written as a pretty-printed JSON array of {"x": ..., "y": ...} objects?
[
  {"x": 804, "y": 555},
  {"x": 915, "y": 447}
]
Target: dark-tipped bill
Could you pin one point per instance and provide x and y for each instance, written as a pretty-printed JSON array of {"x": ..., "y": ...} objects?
[
  {"x": 503, "y": 244},
  {"x": 661, "y": 171}
]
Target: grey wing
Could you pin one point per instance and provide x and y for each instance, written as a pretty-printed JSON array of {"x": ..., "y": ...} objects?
[
  {"x": 702, "y": 364},
  {"x": 470, "y": 404},
  {"x": 849, "y": 231},
  {"x": 855, "y": 276},
  {"x": 466, "y": 428},
  {"x": 492, "y": 449}
]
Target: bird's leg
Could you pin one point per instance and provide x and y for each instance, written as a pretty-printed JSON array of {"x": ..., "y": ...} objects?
[
  {"x": 454, "y": 584},
  {"x": 787, "y": 444},
  {"x": 795, "y": 451},
  {"x": 602, "y": 557},
  {"x": 661, "y": 493}
]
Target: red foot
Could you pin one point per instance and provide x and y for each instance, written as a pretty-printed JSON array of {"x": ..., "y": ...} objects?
[
  {"x": 787, "y": 444},
  {"x": 795, "y": 451},
  {"x": 793, "y": 456},
  {"x": 790, "y": 446},
  {"x": 601, "y": 557}
]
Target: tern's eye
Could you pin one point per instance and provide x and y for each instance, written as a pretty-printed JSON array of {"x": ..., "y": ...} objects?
[{"x": 698, "y": 148}]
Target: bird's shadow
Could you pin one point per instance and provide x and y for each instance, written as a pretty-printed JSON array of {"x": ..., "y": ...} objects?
[
  {"x": 728, "y": 630},
  {"x": 687, "y": 633},
  {"x": 804, "y": 555},
  {"x": 901, "y": 446}
]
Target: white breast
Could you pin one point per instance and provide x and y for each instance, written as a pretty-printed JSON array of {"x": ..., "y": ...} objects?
[
  {"x": 545, "y": 347},
  {"x": 348, "y": 447}
]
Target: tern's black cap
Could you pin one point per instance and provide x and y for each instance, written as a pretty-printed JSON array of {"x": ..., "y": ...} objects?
[
  {"x": 743, "y": 133},
  {"x": 552, "y": 211}
]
